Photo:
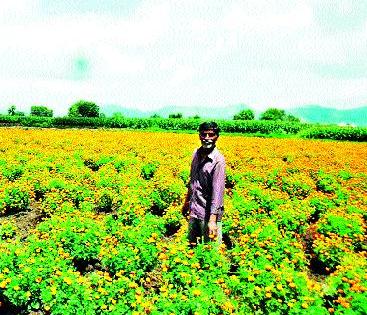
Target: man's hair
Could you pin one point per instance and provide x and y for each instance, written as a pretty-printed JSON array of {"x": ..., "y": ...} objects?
[{"x": 212, "y": 125}]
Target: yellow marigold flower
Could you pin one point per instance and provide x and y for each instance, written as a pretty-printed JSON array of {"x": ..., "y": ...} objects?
[
  {"x": 68, "y": 281},
  {"x": 196, "y": 292},
  {"x": 133, "y": 285}
]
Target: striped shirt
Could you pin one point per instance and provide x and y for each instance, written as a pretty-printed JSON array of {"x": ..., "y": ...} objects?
[{"x": 207, "y": 182}]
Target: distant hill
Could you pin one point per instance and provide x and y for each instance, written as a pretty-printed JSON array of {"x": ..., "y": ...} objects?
[
  {"x": 109, "y": 110},
  {"x": 204, "y": 112},
  {"x": 325, "y": 115},
  {"x": 309, "y": 113}
]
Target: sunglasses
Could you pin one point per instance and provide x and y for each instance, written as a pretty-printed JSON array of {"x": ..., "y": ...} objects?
[{"x": 207, "y": 134}]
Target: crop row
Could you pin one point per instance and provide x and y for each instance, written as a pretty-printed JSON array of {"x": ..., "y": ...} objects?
[
  {"x": 108, "y": 235},
  {"x": 231, "y": 126}
]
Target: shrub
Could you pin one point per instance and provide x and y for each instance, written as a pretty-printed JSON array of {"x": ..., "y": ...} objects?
[
  {"x": 41, "y": 111},
  {"x": 246, "y": 114},
  {"x": 148, "y": 170},
  {"x": 335, "y": 133},
  {"x": 84, "y": 108},
  {"x": 16, "y": 199}
]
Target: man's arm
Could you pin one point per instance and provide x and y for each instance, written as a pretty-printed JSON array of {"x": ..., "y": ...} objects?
[
  {"x": 186, "y": 206},
  {"x": 217, "y": 196}
]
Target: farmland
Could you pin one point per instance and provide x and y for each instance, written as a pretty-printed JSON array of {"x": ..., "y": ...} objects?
[{"x": 91, "y": 224}]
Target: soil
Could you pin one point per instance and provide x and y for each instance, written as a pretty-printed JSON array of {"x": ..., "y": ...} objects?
[{"x": 26, "y": 220}]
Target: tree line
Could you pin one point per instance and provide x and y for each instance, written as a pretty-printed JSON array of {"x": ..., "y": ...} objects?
[{"x": 88, "y": 109}]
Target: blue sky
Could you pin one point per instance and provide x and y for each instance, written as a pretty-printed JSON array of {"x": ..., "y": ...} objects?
[{"x": 150, "y": 54}]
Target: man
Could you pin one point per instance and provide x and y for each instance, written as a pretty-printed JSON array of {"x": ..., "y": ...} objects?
[{"x": 204, "y": 200}]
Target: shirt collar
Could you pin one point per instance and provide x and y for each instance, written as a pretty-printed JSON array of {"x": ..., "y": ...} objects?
[{"x": 213, "y": 154}]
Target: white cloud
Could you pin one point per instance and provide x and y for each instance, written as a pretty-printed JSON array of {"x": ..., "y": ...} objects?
[
  {"x": 263, "y": 53},
  {"x": 111, "y": 61},
  {"x": 253, "y": 18}
]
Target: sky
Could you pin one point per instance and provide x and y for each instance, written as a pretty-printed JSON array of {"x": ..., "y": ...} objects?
[{"x": 147, "y": 54}]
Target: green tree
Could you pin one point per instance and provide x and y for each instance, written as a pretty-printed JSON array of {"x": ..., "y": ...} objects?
[
  {"x": 12, "y": 110},
  {"x": 84, "y": 108},
  {"x": 292, "y": 118},
  {"x": 273, "y": 114},
  {"x": 155, "y": 116},
  {"x": 41, "y": 111},
  {"x": 245, "y": 114},
  {"x": 177, "y": 115}
]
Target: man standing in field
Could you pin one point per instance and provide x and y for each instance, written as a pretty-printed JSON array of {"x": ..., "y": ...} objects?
[{"x": 204, "y": 201}]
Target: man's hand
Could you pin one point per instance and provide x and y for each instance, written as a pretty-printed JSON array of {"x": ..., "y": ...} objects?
[{"x": 213, "y": 229}]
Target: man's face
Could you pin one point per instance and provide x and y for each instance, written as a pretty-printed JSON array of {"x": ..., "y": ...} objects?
[{"x": 208, "y": 138}]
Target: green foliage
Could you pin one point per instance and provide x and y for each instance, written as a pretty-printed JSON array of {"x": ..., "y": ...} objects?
[
  {"x": 342, "y": 226},
  {"x": 265, "y": 200},
  {"x": 114, "y": 239},
  {"x": 7, "y": 230},
  {"x": 264, "y": 127},
  {"x": 117, "y": 115},
  {"x": 84, "y": 108},
  {"x": 335, "y": 133},
  {"x": 329, "y": 251},
  {"x": 13, "y": 172},
  {"x": 15, "y": 199},
  {"x": 273, "y": 114},
  {"x": 41, "y": 111},
  {"x": 345, "y": 175},
  {"x": 292, "y": 118},
  {"x": 253, "y": 127},
  {"x": 278, "y": 115},
  {"x": 176, "y": 115},
  {"x": 246, "y": 114},
  {"x": 12, "y": 110},
  {"x": 320, "y": 206},
  {"x": 296, "y": 187},
  {"x": 148, "y": 170},
  {"x": 326, "y": 182},
  {"x": 184, "y": 175},
  {"x": 105, "y": 202}
]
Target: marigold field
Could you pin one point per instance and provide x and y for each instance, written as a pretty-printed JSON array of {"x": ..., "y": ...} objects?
[{"x": 91, "y": 223}]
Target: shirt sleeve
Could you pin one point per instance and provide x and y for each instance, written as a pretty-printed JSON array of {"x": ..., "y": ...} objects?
[
  {"x": 218, "y": 187},
  {"x": 192, "y": 167}
]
